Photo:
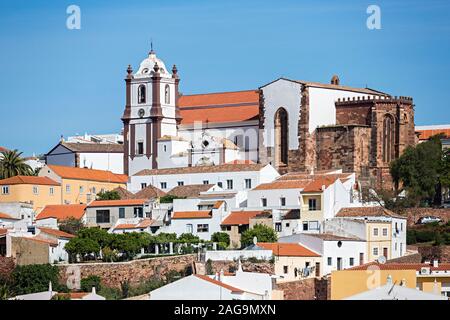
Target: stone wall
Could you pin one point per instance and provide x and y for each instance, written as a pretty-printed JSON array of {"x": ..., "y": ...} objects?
[
  {"x": 136, "y": 271},
  {"x": 231, "y": 266},
  {"x": 308, "y": 289},
  {"x": 7, "y": 266},
  {"x": 440, "y": 253},
  {"x": 414, "y": 214}
]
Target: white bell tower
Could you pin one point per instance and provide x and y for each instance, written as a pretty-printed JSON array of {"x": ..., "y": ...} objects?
[{"x": 151, "y": 112}]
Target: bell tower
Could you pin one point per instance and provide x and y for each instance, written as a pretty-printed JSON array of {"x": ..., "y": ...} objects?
[{"x": 151, "y": 112}]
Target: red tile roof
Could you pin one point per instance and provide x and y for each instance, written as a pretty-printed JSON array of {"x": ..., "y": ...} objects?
[
  {"x": 29, "y": 180},
  {"x": 149, "y": 192},
  {"x": 117, "y": 203},
  {"x": 283, "y": 184},
  {"x": 368, "y": 212},
  {"x": 88, "y": 174},
  {"x": 6, "y": 216},
  {"x": 219, "y": 283},
  {"x": 3, "y": 231},
  {"x": 240, "y": 162},
  {"x": 56, "y": 232},
  {"x": 3, "y": 149},
  {"x": 426, "y": 134},
  {"x": 62, "y": 211},
  {"x": 42, "y": 240},
  {"x": 219, "y": 107},
  {"x": 141, "y": 225},
  {"x": 402, "y": 266},
  {"x": 192, "y": 215},
  {"x": 287, "y": 249},
  {"x": 240, "y": 217},
  {"x": 202, "y": 169}
]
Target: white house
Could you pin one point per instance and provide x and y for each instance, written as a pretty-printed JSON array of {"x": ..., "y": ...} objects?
[
  {"x": 16, "y": 211},
  {"x": 202, "y": 222},
  {"x": 398, "y": 225},
  {"x": 239, "y": 177},
  {"x": 337, "y": 252},
  {"x": 240, "y": 286},
  {"x": 100, "y": 156}
]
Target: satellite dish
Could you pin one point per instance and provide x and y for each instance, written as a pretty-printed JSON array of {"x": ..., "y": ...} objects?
[{"x": 381, "y": 259}]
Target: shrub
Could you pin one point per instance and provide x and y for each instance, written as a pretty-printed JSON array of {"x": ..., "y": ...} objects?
[
  {"x": 262, "y": 233},
  {"x": 71, "y": 225},
  {"x": 188, "y": 238},
  {"x": 411, "y": 237},
  {"x": 221, "y": 237},
  {"x": 35, "y": 278},
  {"x": 208, "y": 267},
  {"x": 87, "y": 283},
  {"x": 169, "y": 198},
  {"x": 110, "y": 293},
  {"x": 108, "y": 195}
]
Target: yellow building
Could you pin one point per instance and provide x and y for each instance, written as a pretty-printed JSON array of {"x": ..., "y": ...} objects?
[
  {"x": 81, "y": 185},
  {"x": 379, "y": 239},
  {"x": 38, "y": 191},
  {"x": 433, "y": 278},
  {"x": 294, "y": 261}
]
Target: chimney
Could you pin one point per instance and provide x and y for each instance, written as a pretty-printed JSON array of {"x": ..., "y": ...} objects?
[
  {"x": 435, "y": 263},
  {"x": 93, "y": 290}
]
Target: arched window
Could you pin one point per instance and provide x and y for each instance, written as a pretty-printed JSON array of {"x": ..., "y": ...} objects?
[
  {"x": 141, "y": 94},
  {"x": 167, "y": 94},
  {"x": 281, "y": 137},
  {"x": 388, "y": 138}
]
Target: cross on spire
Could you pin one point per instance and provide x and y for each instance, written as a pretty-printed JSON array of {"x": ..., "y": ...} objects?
[{"x": 151, "y": 46}]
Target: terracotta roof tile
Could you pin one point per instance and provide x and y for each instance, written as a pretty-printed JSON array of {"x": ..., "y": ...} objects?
[
  {"x": 3, "y": 149},
  {"x": 149, "y": 192},
  {"x": 219, "y": 107},
  {"x": 240, "y": 217},
  {"x": 367, "y": 212},
  {"x": 93, "y": 147},
  {"x": 402, "y": 266},
  {"x": 145, "y": 223},
  {"x": 287, "y": 249},
  {"x": 218, "y": 283},
  {"x": 88, "y": 174},
  {"x": 117, "y": 203},
  {"x": 202, "y": 169},
  {"x": 426, "y": 134},
  {"x": 41, "y": 240},
  {"x": 29, "y": 180},
  {"x": 188, "y": 191},
  {"x": 240, "y": 162},
  {"x": 7, "y": 216},
  {"x": 192, "y": 215},
  {"x": 3, "y": 231},
  {"x": 124, "y": 193},
  {"x": 56, "y": 232},
  {"x": 218, "y": 204},
  {"x": 62, "y": 211},
  {"x": 283, "y": 184}
]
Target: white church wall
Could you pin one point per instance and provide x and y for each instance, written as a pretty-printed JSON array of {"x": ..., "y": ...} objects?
[
  {"x": 286, "y": 94},
  {"x": 322, "y": 109},
  {"x": 102, "y": 161}
]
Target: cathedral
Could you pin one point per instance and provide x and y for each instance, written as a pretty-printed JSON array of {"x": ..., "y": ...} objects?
[{"x": 295, "y": 125}]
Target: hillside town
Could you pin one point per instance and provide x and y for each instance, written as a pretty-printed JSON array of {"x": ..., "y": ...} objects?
[{"x": 295, "y": 190}]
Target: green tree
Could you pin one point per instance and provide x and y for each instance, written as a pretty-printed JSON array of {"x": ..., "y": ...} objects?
[
  {"x": 127, "y": 243},
  {"x": 71, "y": 225},
  {"x": 262, "y": 233},
  {"x": 100, "y": 236},
  {"x": 188, "y": 238},
  {"x": 166, "y": 237},
  {"x": 108, "y": 195},
  {"x": 35, "y": 278},
  {"x": 87, "y": 283},
  {"x": 221, "y": 237},
  {"x": 81, "y": 246},
  {"x": 12, "y": 164},
  {"x": 168, "y": 198},
  {"x": 418, "y": 170}
]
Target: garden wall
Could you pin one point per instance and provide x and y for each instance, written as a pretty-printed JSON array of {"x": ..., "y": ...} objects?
[
  {"x": 135, "y": 272},
  {"x": 308, "y": 289}
]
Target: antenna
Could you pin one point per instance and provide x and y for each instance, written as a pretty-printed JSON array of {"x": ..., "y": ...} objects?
[{"x": 392, "y": 288}]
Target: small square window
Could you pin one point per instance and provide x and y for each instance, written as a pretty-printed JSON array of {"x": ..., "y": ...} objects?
[
  {"x": 51, "y": 190},
  {"x": 352, "y": 261},
  {"x": 375, "y": 251},
  {"x": 285, "y": 269},
  {"x": 81, "y": 189},
  {"x": 248, "y": 183},
  {"x": 229, "y": 184},
  {"x": 5, "y": 190},
  {"x": 67, "y": 188},
  {"x": 205, "y": 181},
  {"x": 263, "y": 202},
  {"x": 282, "y": 201},
  {"x": 375, "y": 231},
  {"x": 163, "y": 185},
  {"x": 140, "y": 148},
  {"x": 312, "y": 204},
  {"x": 202, "y": 228},
  {"x": 385, "y": 232},
  {"x": 220, "y": 184},
  {"x": 329, "y": 261},
  {"x": 35, "y": 190},
  {"x": 143, "y": 185},
  {"x": 180, "y": 183},
  {"x": 278, "y": 227},
  {"x": 121, "y": 213}
]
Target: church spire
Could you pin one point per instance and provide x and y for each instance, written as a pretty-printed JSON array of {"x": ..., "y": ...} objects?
[{"x": 151, "y": 47}]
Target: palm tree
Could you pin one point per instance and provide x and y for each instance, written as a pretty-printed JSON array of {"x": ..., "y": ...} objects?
[{"x": 11, "y": 164}]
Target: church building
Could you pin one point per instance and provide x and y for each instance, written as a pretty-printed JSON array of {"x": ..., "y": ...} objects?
[{"x": 294, "y": 125}]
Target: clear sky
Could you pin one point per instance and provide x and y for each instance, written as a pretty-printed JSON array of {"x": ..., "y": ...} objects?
[{"x": 58, "y": 81}]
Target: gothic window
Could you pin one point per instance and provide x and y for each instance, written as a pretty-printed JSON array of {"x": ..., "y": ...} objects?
[
  {"x": 167, "y": 94},
  {"x": 388, "y": 139},
  {"x": 141, "y": 94},
  {"x": 281, "y": 137}
]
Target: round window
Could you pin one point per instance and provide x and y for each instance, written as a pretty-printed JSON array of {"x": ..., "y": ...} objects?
[
  {"x": 141, "y": 112},
  {"x": 339, "y": 244}
]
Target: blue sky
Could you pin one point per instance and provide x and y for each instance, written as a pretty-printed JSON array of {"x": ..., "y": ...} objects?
[{"x": 58, "y": 81}]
